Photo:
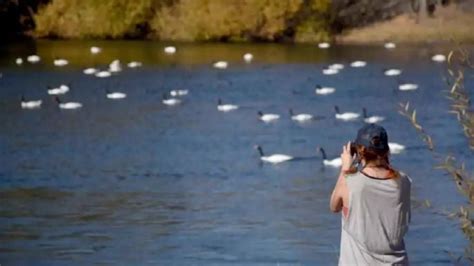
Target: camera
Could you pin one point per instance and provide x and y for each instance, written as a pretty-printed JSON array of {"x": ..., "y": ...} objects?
[{"x": 353, "y": 149}]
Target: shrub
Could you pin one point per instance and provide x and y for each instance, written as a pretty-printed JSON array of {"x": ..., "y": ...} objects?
[
  {"x": 186, "y": 20},
  {"x": 93, "y": 18},
  {"x": 204, "y": 20}
]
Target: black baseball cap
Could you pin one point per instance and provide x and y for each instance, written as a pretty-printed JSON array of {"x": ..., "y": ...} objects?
[{"x": 372, "y": 136}]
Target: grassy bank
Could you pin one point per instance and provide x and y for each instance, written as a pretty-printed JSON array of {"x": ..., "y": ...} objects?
[
  {"x": 186, "y": 20},
  {"x": 448, "y": 23}
]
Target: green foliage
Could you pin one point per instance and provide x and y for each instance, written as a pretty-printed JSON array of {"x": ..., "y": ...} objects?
[
  {"x": 93, "y": 18},
  {"x": 190, "y": 20},
  {"x": 186, "y": 20},
  {"x": 315, "y": 26},
  {"x": 267, "y": 20}
]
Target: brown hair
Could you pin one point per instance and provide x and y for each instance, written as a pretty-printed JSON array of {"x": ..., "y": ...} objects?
[{"x": 375, "y": 157}]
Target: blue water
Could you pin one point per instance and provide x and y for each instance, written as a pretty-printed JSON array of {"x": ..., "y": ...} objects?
[{"x": 134, "y": 182}]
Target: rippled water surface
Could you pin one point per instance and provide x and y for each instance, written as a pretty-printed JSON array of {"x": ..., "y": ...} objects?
[{"x": 134, "y": 182}]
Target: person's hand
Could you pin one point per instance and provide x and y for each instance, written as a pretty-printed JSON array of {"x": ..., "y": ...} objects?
[{"x": 346, "y": 157}]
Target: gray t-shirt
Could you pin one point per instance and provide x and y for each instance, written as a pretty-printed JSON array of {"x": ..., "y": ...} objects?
[{"x": 378, "y": 218}]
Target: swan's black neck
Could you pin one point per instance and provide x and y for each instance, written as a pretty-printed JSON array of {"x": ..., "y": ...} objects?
[
  {"x": 291, "y": 112},
  {"x": 57, "y": 99},
  {"x": 260, "y": 151},
  {"x": 165, "y": 96},
  {"x": 260, "y": 113},
  {"x": 323, "y": 153},
  {"x": 364, "y": 111},
  {"x": 318, "y": 86},
  {"x": 23, "y": 98},
  {"x": 219, "y": 101},
  {"x": 336, "y": 108}
]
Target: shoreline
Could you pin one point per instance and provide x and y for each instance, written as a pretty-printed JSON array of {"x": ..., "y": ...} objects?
[
  {"x": 53, "y": 21},
  {"x": 448, "y": 25},
  {"x": 337, "y": 40}
]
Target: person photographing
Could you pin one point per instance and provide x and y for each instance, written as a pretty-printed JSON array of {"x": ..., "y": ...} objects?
[{"x": 375, "y": 202}]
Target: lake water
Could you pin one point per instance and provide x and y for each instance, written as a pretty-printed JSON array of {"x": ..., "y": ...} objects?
[{"x": 134, "y": 182}]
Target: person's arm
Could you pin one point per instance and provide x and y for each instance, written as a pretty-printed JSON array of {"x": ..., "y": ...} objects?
[
  {"x": 335, "y": 204},
  {"x": 336, "y": 197}
]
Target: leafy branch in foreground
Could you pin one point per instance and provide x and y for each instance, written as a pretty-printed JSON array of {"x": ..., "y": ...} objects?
[
  {"x": 458, "y": 95},
  {"x": 458, "y": 61},
  {"x": 411, "y": 115}
]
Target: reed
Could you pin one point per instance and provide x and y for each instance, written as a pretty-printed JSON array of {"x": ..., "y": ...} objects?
[{"x": 458, "y": 62}]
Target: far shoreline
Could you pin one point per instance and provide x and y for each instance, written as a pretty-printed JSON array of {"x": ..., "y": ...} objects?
[
  {"x": 338, "y": 40},
  {"x": 448, "y": 25}
]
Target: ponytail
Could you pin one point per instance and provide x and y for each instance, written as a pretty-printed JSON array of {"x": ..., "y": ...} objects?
[{"x": 380, "y": 159}]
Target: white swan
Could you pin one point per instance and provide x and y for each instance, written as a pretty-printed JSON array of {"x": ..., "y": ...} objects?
[
  {"x": 324, "y": 45},
  {"x": 90, "y": 71},
  {"x": 392, "y": 72},
  {"x": 390, "y": 45},
  {"x": 348, "y": 116},
  {"x": 54, "y": 91},
  {"x": 115, "y": 95},
  {"x": 336, "y": 66},
  {"x": 30, "y": 104},
  {"x": 134, "y": 64},
  {"x": 336, "y": 162},
  {"x": 324, "y": 90},
  {"x": 407, "y": 86},
  {"x": 439, "y": 58},
  {"x": 300, "y": 117},
  {"x": 62, "y": 89},
  {"x": 358, "y": 64},
  {"x": 372, "y": 119},
  {"x": 226, "y": 107},
  {"x": 33, "y": 59},
  {"x": 170, "y": 101},
  {"x": 95, "y": 50},
  {"x": 175, "y": 93},
  {"x": 396, "y": 148},
  {"x": 169, "y": 49},
  {"x": 115, "y": 66},
  {"x": 68, "y": 105},
  {"x": 248, "y": 57},
  {"x": 60, "y": 62},
  {"x": 268, "y": 117},
  {"x": 330, "y": 71},
  {"x": 274, "y": 158},
  {"x": 19, "y": 61},
  {"x": 103, "y": 74},
  {"x": 221, "y": 64}
]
